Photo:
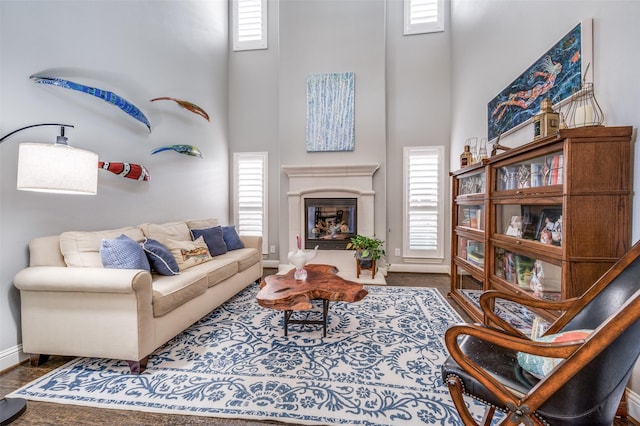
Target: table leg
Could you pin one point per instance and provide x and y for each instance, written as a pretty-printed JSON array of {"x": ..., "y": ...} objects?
[
  {"x": 287, "y": 315},
  {"x": 325, "y": 314}
]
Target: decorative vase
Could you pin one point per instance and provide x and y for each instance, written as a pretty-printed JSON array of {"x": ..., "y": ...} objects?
[{"x": 299, "y": 258}]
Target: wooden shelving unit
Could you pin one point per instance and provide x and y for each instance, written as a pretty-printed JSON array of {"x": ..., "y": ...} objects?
[{"x": 556, "y": 214}]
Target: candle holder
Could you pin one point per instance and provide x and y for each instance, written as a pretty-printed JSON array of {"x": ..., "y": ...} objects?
[{"x": 584, "y": 109}]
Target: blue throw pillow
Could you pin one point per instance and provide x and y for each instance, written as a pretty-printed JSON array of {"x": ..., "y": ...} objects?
[
  {"x": 160, "y": 258},
  {"x": 214, "y": 239},
  {"x": 123, "y": 253},
  {"x": 231, "y": 238}
]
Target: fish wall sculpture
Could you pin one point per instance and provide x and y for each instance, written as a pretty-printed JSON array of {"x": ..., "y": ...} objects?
[
  {"x": 126, "y": 170},
  {"x": 186, "y": 105},
  {"x": 182, "y": 149},
  {"x": 105, "y": 95}
]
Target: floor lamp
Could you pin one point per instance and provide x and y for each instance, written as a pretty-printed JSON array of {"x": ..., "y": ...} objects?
[{"x": 57, "y": 168}]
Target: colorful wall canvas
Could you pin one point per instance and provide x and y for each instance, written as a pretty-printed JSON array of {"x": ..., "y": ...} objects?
[
  {"x": 555, "y": 75},
  {"x": 330, "y": 112}
]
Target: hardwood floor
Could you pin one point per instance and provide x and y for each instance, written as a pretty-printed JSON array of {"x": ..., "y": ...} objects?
[{"x": 42, "y": 413}]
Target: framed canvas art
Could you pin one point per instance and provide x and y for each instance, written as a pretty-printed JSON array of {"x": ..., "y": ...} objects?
[
  {"x": 330, "y": 112},
  {"x": 556, "y": 75}
]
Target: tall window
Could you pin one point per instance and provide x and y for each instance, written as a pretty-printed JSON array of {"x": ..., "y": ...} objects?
[
  {"x": 249, "y": 24},
  {"x": 250, "y": 194},
  {"x": 423, "y": 202},
  {"x": 423, "y": 16}
]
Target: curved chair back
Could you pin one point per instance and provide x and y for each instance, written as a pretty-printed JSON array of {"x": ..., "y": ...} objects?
[
  {"x": 612, "y": 303},
  {"x": 593, "y": 394}
]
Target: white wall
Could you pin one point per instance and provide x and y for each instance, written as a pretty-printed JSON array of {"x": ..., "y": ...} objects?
[
  {"x": 402, "y": 97},
  {"x": 326, "y": 36},
  {"x": 139, "y": 50},
  {"x": 418, "y": 114},
  {"x": 493, "y": 41},
  {"x": 253, "y": 112}
]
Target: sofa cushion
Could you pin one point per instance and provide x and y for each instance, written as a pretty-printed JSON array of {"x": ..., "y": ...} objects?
[
  {"x": 213, "y": 238},
  {"x": 160, "y": 258},
  {"x": 123, "y": 253},
  {"x": 82, "y": 248},
  {"x": 246, "y": 257},
  {"x": 189, "y": 253},
  {"x": 202, "y": 223},
  {"x": 177, "y": 231},
  {"x": 172, "y": 292},
  {"x": 231, "y": 238},
  {"x": 217, "y": 269}
]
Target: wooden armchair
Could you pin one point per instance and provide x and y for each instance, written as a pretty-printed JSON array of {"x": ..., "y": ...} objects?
[{"x": 585, "y": 388}]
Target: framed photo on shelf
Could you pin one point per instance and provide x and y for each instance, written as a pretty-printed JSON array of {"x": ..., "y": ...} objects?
[
  {"x": 515, "y": 227},
  {"x": 550, "y": 223}
]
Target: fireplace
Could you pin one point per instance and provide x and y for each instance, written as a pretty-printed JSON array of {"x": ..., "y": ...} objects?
[
  {"x": 330, "y": 181},
  {"x": 330, "y": 222}
]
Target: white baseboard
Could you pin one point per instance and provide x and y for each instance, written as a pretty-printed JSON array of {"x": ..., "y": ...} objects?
[
  {"x": 11, "y": 357},
  {"x": 275, "y": 263},
  {"x": 633, "y": 405},
  {"x": 423, "y": 268}
]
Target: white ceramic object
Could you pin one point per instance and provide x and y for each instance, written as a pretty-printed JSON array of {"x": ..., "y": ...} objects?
[{"x": 299, "y": 258}]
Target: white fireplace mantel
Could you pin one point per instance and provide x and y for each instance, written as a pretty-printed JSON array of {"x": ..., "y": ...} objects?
[
  {"x": 330, "y": 181},
  {"x": 330, "y": 170}
]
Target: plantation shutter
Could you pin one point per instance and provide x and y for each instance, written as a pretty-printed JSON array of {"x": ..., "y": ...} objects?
[
  {"x": 423, "y": 16},
  {"x": 251, "y": 194},
  {"x": 249, "y": 24},
  {"x": 423, "y": 202}
]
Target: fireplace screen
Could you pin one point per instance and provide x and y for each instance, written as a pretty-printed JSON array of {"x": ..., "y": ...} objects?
[{"x": 330, "y": 222}]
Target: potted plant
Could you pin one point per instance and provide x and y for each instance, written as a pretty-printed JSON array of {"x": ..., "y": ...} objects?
[{"x": 367, "y": 249}]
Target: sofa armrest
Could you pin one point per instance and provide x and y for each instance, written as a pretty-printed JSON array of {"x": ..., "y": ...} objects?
[
  {"x": 90, "y": 280},
  {"x": 251, "y": 241}
]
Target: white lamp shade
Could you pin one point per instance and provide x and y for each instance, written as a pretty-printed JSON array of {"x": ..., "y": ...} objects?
[{"x": 57, "y": 168}]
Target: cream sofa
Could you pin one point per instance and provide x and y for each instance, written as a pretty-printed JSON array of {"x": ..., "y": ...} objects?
[{"x": 72, "y": 305}]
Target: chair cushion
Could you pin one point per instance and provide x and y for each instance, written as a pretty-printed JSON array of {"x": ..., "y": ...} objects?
[
  {"x": 82, "y": 248},
  {"x": 502, "y": 364},
  {"x": 540, "y": 366},
  {"x": 170, "y": 293},
  {"x": 177, "y": 231},
  {"x": 246, "y": 257},
  {"x": 189, "y": 253},
  {"x": 160, "y": 258},
  {"x": 217, "y": 269},
  {"x": 213, "y": 237},
  {"x": 202, "y": 223},
  {"x": 123, "y": 253},
  {"x": 231, "y": 238}
]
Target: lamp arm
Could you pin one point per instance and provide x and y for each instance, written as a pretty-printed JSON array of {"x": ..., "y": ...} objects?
[{"x": 36, "y": 125}]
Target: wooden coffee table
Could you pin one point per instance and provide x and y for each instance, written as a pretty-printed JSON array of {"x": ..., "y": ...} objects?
[{"x": 285, "y": 293}]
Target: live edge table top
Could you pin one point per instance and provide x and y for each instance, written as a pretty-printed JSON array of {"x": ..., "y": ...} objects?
[{"x": 285, "y": 293}]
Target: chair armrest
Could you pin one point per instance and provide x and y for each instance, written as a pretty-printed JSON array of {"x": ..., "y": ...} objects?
[
  {"x": 489, "y": 296},
  {"x": 504, "y": 340},
  {"x": 92, "y": 280}
]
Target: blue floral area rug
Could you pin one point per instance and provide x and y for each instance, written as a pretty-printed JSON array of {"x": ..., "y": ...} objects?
[{"x": 378, "y": 365}]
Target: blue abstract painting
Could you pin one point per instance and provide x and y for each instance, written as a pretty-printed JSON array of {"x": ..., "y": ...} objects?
[
  {"x": 330, "y": 112},
  {"x": 555, "y": 75}
]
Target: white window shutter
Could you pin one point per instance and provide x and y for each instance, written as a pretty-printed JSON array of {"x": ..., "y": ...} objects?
[
  {"x": 250, "y": 194},
  {"x": 423, "y": 16},
  {"x": 424, "y": 207},
  {"x": 249, "y": 24}
]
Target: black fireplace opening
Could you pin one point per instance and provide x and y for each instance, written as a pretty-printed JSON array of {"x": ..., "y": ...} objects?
[{"x": 330, "y": 222}]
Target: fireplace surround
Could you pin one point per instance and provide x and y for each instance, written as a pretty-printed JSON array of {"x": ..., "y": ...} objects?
[{"x": 330, "y": 182}]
